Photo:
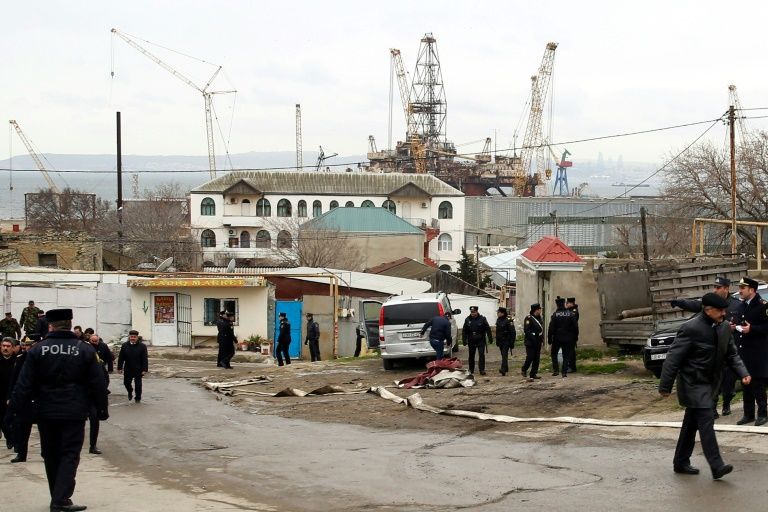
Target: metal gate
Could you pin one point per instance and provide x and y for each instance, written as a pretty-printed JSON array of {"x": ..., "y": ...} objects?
[
  {"x": 184, "y": 319},
  {"x": 292, "y": 310}
]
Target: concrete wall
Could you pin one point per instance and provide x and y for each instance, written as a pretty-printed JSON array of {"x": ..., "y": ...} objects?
[
  {"x": 321, "y": 308},
  {"x": 382, "y": 249}
]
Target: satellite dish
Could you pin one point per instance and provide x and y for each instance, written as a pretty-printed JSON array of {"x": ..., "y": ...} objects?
[
  {"x": 231, "y": 266},
  {"x": 164, "y": 264}
]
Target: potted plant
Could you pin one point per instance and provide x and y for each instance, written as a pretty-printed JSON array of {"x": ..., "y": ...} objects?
[{"x": 254, "y": 343}]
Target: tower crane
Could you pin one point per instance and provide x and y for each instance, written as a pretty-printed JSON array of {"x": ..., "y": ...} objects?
[
  {"x": 418, "y": 149},
  {"x": 561, "y": 179},
  {"x": 38, "y": 161},
  {"x": 321, "y": 157},
  {"x": 207, "y": 94}
]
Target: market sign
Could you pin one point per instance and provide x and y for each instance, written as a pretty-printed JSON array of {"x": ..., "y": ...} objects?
[{"x": 197, "y": 283}]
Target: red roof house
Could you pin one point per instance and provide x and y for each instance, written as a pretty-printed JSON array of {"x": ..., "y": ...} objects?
[{"x": 551, "y": 253}]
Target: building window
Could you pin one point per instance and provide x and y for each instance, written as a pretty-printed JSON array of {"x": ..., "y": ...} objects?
[
  {"x": 263, "y": 240},
  {"x": 47, "y": 260},
  {"x": 349, "y": 204},
  {"x": 234, "y": 242},
  {"x": 245, "y": 240},
  {"x": 207, "y": 207},
  {"x": 263, "y": 208},
  {"x": 334, "y": 204},
  {"x": 367, "y": 204},
  {"x": 390, "y": 206},
  {"x": 212, "y": 307},
  {"x": 302, "y": 208},
  {"x": 245, "y": 208},
  {"x": 284, "y": 240},
  {"x": 445, "y": 242},
  {"x": 317, "y": 208},
  {"x": 208, "y": 238},
  {"x": 445, "y": 210},
  {"x": 284, "y": 208}
]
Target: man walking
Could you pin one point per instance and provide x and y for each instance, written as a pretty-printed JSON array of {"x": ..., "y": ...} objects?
[
  {"x": 226, "y": 339},
  {"x": 751, "y": 333},
  {"x": 63, "y": 375},
  {"x": 106, "y": 361},
  {"x": 9, "y": 327},
  {"x": 7, "y": 364},
  {"x": 505, "y": 338},
  {"x": 702, "y": 347},
  {"x": 533, "y": 327},
  {"x": 562, "y": 335},
  {"x": 221, "y": 330},
  {"x": 475, "y": 332},
  {"x": 132, "y": 363},
  {"x": 313, "y": 338},
  {"x": 28, "y": 318},
  {"x": 41, "y": 327},
  {"x": 22, "y": 418},
  {"x": 439, "y": 333},
  {"x": 283, "y": 340}
]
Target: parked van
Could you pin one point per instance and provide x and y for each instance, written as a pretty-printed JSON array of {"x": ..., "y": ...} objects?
[{"x": 394, "y": 326}]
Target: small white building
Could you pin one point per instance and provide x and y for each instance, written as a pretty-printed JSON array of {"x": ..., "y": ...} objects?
[{"x": 254, "y": 215}]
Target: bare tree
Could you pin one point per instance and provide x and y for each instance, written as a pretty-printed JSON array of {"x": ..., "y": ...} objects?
[
  {"x": 69, "y": 210},
  {"x": 316, "y": 247}
]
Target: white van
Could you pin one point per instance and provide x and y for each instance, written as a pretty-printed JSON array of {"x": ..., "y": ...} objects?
[{"x": 394, "y": 326}]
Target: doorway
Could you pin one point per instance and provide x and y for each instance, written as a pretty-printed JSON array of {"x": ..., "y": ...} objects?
[
  {"x": 164, "y": 328},
  {"x": 292, "y": 310}
]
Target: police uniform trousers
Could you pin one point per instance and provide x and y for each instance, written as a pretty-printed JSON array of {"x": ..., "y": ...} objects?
[
  {"x": 504, "y": 348},
  {"x": 479, "y": 347},
  {"x": 553, "y": 350},
  {"x": 569, "y": 353},
  {"x": 130, "y": 376},
  {"x": 532, "y": 357},
  {"x": 572, "y": 360},
  {"x": 755, "y": 392},
  {"x": 314, "y": 350},
  {"x": 282, "y": 352},
  {"x": 227, "y": 353},
  {"x": 60, "y": 445},
  {"x": 703, "y": 421},
  {"x": 22, "y": 429}
]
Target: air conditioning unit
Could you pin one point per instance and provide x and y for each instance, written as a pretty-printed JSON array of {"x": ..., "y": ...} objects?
[
  {"x": 231, "y": 232},
  {"x": 423, "y": 205}
]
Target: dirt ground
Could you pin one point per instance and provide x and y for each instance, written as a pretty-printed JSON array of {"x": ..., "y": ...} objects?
[{"x": 629, "y": 392}]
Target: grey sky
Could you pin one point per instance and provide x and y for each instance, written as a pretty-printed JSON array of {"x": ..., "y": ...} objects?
[{"x": 619, "y": 67}]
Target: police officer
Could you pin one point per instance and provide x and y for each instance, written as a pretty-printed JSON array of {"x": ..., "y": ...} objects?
[
  {"x": 533, "y": 327},
  {"x": 562, "y": 335},
  {"x": 570, "y": 304},
  {"x": 283, "y": 340},
  {"x": 751, "y": 333},
  {"x": 313, "y": 338},
  {"x": 475, "y": 333},
  {"x": 505, "y": 338},
  {"x": 62, "y": 374},
  {"x": 22, "y": 418}
]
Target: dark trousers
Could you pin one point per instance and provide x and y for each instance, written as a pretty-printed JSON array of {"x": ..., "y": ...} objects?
[
  {"x": 282, "y": 351},
  {"x": 569, "y": 353},
  {"x": 314, "y": 350},
  {"x": 553, "y": 350},
  {"x": 135, "y": 377},
  {"x": 728, "y": 386},
  {"x": 220, "y": 355},
  {"x": 22, "y": 429},
  {"x": 60, "y": 445},
  {"x": 703, "y": 422},
  {"x": 227, "y": 351},
  {"x": 479, "y": 347},
  {"x": 572, "y": 359},
  {"x": 504, "y": 348},
  {"x": 358, "y": 345},
  {"x": 93, "y": 421},
  {"x": 439, "y": 347},
  {"x": 5, "y": 426},
  {"x": 755, "y": 393},
  {"x": 532, "y": 356}
]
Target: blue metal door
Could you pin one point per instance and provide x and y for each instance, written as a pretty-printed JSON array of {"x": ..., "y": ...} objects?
[{"x": 292, "y": 309}]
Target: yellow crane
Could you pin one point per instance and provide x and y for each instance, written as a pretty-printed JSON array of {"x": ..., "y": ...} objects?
[
  {"x": 207, "y": 95},
  {"x": 418, "y": 149},
  {"x": 38, "y": 161}
]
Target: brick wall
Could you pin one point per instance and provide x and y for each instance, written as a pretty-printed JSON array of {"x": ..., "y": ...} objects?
[{"x": 68, "y": 250}]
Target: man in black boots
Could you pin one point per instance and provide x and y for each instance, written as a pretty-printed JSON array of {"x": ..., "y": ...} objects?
[{"x": 132, "y": 363}]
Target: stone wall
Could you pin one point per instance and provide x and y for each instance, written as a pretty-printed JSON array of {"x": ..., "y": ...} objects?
[
  {"x": 8, "y": 257},
  {"x": 66, "y": 250}
]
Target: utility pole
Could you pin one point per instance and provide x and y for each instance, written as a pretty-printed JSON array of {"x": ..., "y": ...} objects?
[
  {"x": 732, "y": 125},
  {"x": 119, "y": 196},
  {"x": 644, "y": 229},
  {"x": 477, "y": 260}
]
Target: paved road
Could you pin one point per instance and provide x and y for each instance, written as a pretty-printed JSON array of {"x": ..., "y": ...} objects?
[{"x": 182, "y": 442}]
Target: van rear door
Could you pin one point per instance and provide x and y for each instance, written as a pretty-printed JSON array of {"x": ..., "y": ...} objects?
[{"x": 369, "y": 321}]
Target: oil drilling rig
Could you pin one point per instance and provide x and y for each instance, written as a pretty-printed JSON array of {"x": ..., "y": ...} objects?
[{"x": 427, "y": 149}]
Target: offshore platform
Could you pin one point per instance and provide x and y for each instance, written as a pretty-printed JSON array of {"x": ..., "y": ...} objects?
[{"x": 427, "y": 149}]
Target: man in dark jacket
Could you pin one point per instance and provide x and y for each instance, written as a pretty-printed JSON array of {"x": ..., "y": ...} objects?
[
  {"x": 283, "y": 340},
  {"x": 476, "y": 332},
  {"x": 702, "y": 347},
  {"x": 41, "y": 328},
  {"x": 751, "y": 333},
  {"x": 62, "y": 374},
  {"x": 106, "y": 360},
  {"x": 439, "y": 333},
  {"x": 721, "y": 287},
  {"x": 313, "y": 338},
  {"x": 505, "y": 338},
  {"x": 133, "y": 364},
  {"x": 570, "y": 304},
  {"x": 533, "y": 327},
  {"x": 29, "y": 317},
  {"x": 21, "y": 420},
  {"x": 226, "y": 339},
  {"x": 7, "y": 364},
  {"x": 10, "y": 327},
  {"x": 562, "y": 335},
  {"x": 221, "y": 328}
]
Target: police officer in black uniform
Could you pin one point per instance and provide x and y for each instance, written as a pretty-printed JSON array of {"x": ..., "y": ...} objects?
[
  {"x": 533, "y": 327},
  {"x": 283, "y": 340},
  {"x": 64, "y": 377},
  {"x": 475, "y": 332},
  {"x": 562, "y": 335},
  {"x": 505, "y": 338},
  {"x": 751, "y": 334},
  {"x": 570, "y": 304}
]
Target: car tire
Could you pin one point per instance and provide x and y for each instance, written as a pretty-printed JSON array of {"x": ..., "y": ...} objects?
[
  {"x": 389, "y": 364},
  {"x": 657, "y": 372}
]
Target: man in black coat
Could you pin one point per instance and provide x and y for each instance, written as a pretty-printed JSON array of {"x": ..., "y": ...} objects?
[
  {"x": 702, "y": 347},
  {"x": 226, "y": 339},
  {"x": 106, "y": 360},
  {"x": 221, "y": 329},
  {"x": 533, "y": 327},
  {"x": 505, "y": 338},
  {"x": 41, "y": 329},
  {"x": 751, "y": 333},
  {"x": 283, "y": 340},
  {"x": 562, "y": 335},
  {"x": 570, "y": 304},
  {"x": 313, "y": 337},
  {"x": 62, "y": 374},
  {"x": 132, "y": 362},
  {"x": 7, "y": 364},
  {"x": 439, "y": 333},
  {"x": 475, "y": 333},
  {"x": 21, "y": 420}
]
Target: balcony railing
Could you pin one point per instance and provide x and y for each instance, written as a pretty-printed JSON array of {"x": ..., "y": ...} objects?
[{"x": 423, "y": 223}]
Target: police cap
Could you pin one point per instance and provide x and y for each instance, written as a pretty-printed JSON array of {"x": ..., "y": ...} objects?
[
  {"x": 722, "y": 281},
  {"x": 748, "y": 281},
  {"x": 57, "y": 315},
  {"x": 534, "y": 307},
  {"x": 560, "y": 301},
  {"x": 571, "y": 299}
]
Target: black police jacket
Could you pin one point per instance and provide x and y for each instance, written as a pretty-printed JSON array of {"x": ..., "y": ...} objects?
[
  {"x": 505, "y": 332},
  {"x": 133, "y": 357},
  {"x": 533, "y": 328},
  {"x": 694, "y": 306},
  {"x": 63, "y": 377},
  {"x": 563, "y": 327},
  {"x": 476, "y": 329},
  {"x": 753, "y": 347},
  {"x": 284, "y": 336},
  {"x": 696, "y": 358}
]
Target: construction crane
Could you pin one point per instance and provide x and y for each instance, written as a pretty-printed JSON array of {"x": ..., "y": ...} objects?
[
  {"x": 418, "y": 149},
  {"x": 207, "y": 95},
  {"x": 734, "y": 100},
  {"x": 321, "y": 157},
  {"x": 533, "y": 140},
  {"x": 561, "y": 178},
  {"x": 38, "y": 161},
  {"x": 299, "y": 155}
]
